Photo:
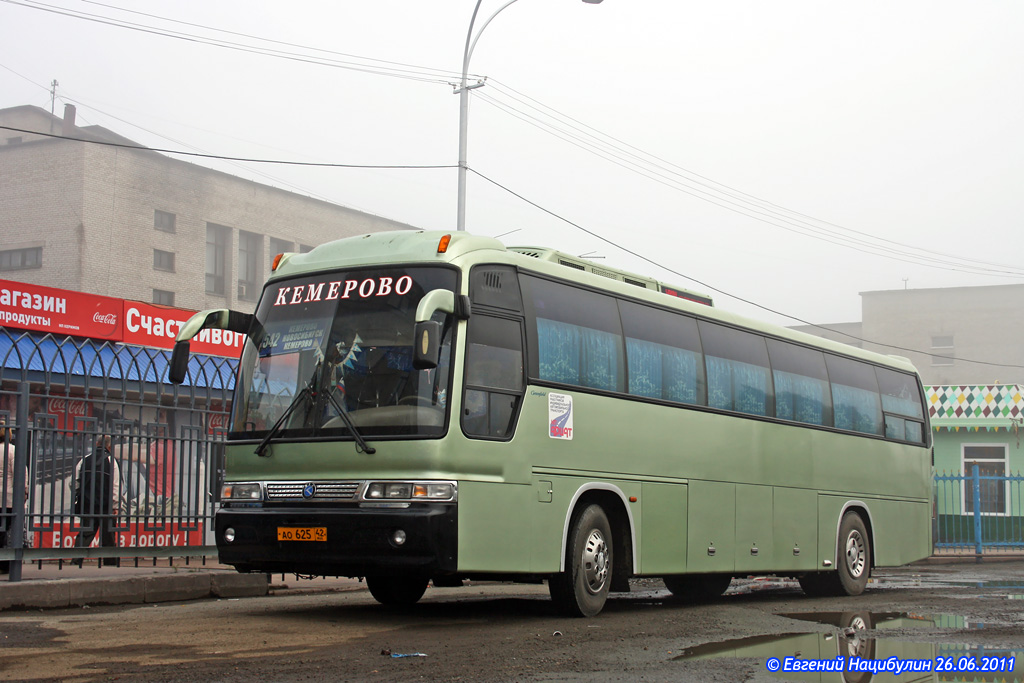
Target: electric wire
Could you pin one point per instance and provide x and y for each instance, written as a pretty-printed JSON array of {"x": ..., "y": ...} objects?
[
  {"x": 679, "y": 178},
  {"x": 735, "y": 297},
  {"x": 283, "y": 162},
  {"x": 769, "y": 218},
  {"x": 420, "y": 74}
]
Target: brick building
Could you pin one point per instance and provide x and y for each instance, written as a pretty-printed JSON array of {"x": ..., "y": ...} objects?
[{"x": 136, "y": 224}]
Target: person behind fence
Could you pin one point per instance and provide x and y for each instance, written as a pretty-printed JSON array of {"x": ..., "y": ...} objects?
[
  {"x": 7, "y": 503},
  {"x": 158, "y": 464},
  {"x": 97, "y": 497}
]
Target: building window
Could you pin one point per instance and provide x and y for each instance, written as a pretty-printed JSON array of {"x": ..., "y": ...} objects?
[
  {"x": 21, "y": 259},
  {"x": 163, "y": 260},
  {"x": 305, "y": 248},
  {"x": 279, "y": 246},
  {"x": 250, "y": 265},
  {"x": 164, "y": 221},
  {"x": 217, "y": 238},
  {"x": 943, "y": 351},
  {"x": 991, "y": 462},
  {"x": 163, "y": 297}
]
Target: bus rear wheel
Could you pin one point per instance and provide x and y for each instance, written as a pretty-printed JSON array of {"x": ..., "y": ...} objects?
[
  {"x": 397, "y": 591},
  {"x": 582, "y": 589},
  {"x": 697, "y": 587},
  {"x": 854, "y": 556}
]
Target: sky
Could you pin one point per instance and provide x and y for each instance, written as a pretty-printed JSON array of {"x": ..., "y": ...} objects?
[{"x": 782, "y": 157}]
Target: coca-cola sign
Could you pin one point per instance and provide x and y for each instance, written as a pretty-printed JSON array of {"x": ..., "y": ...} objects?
[
  {"x": 66, "y": 410},
  {"x": 60, "y": 311}
]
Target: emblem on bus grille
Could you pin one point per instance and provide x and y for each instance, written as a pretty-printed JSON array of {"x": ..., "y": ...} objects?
[{"x": 309, "y": 491}]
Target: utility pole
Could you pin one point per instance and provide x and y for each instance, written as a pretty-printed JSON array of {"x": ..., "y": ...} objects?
[{"x": 53, "y": 95}]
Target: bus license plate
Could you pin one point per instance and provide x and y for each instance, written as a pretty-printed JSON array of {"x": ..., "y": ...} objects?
[{"x": 304, "y": 533}]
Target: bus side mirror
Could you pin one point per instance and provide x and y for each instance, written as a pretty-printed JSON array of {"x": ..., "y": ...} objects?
[
  {"x": 179, "y": 362},
  {"x": 426, "y": 345}
]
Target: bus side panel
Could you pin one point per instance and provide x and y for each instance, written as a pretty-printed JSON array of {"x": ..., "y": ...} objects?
[
  {"x": 907, "y": 537},
  {"x": 662, "y": 536},
  {"x": 795, "y": 518},
  {"x": 711, "y": 526},
  {"x": 493, "y": 537},
  {"x": 755, "y": 548},
  {"x": 829, "y": 510}
]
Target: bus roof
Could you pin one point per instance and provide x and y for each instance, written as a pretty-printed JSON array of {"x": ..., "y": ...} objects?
[{"x": 464, "y": 250}]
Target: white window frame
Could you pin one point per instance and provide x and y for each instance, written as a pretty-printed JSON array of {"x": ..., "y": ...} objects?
[{"x": 969, "y": 473}]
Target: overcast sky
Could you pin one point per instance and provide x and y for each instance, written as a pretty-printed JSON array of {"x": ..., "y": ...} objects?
[{"x": 728, "y": 133}]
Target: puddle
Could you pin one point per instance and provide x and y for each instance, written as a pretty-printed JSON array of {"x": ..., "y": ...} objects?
[
  {"x": 886, "y": 620},
  {"x": 859, "y": 644},
  {"x": 870, "y": 656}
]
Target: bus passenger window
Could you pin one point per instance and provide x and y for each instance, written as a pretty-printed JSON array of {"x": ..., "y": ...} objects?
[
  {"x": 737, "y": 370},
  {"x": 902, "y": 406},
  {"x": 579, "y": 337},
  {"x": 854, "y": 395},
  {"x": 663, "y": 354},
  {"x": 801, "y": 384},
  {"x": 494, "y": 377}
]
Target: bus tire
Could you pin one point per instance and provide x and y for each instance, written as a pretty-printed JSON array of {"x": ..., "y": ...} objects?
[
  {"x": 582, "y": 589},
  {"x": 854, "y": 555},
  {"x": 854, "y": 560},
  {"x": 697, "y": 587},
  {"x": 397, "y": 591}
]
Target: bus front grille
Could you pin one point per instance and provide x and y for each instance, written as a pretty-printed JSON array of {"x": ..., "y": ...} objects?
[{"x": 331, "y": 490}]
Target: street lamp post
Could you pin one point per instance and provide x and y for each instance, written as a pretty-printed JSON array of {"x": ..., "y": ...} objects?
[{"x": 463, "y": 91}]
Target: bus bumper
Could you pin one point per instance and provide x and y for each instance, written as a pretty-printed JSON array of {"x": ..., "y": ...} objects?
[{"x": 359, "y": 541}]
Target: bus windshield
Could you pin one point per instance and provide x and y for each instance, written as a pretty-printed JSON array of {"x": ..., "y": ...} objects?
[{"x": 324, "y": 344}]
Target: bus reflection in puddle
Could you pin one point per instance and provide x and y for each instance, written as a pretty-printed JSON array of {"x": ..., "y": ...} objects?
[{"x": 856, "y": 639}]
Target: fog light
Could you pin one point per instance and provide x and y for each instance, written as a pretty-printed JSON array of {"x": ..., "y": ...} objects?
[
  {"x": 398, "y": 537},
  {"x": 229, "y": 535}
]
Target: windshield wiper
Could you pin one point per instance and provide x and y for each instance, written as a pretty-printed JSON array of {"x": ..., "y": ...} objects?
[
  {"x": 309, "y": 391},
  {"x": 361, "y": 444},
  {"x": 305, "y": 391}
]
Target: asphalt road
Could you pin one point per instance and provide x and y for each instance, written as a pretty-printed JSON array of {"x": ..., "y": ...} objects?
[{"x": 502, "y": 632}]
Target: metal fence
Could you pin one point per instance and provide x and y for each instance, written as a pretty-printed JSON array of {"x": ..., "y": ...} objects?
[
  {"x": 978, "y": 512},
  {"x": 58, "y": 396}
]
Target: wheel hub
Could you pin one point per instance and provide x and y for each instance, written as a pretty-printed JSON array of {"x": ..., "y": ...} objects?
[{"x": 595, "y": 561}]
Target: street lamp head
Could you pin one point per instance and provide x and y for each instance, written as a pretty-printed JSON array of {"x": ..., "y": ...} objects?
[{"x": 592, "y": 2}]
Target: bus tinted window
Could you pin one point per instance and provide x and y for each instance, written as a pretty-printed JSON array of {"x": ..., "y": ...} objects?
[
  {"x": 737, "y": 369},
  {"x": 801, "y": 384},
  {"x": 855, "y": 400},
  {"x": 578, "y": 336},
  {"x": 901, "y": 403},
  {"x": 663, "y": 354}
]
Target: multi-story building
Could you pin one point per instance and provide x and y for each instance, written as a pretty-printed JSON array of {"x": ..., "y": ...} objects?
[
  {"x": 110, "y": 217},
  {"x": 954, "y": 335}
]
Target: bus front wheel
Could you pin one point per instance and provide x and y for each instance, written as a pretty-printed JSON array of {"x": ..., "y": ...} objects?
[
  {"x": 396, "y": 591},
  {"x": 582, "y": 589}
]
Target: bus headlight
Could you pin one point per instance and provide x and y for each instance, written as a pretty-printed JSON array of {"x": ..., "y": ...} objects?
[
  {"x": 241, "y": 492},
  {"x": 408, "y": 490}
]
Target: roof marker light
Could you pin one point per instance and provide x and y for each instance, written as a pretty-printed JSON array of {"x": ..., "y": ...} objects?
[
  {"x": 276, "y": 263},
  {"x": 442, "y": 246}
]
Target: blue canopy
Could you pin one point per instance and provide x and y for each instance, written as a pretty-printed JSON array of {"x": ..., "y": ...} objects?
[{"x": 27, "y": 352}]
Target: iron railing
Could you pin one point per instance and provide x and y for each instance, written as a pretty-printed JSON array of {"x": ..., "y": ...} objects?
[
  {"x": 57, "y": 397},
  {"x": 978, "y": 512}
]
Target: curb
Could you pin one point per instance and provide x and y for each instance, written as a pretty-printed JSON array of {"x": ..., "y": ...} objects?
[{"x": 31, "y": 595}]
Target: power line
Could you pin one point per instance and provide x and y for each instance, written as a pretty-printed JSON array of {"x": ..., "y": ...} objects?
[
  {"x": 283, "y": 162},
  {"x": 676, "y": 177},
  {"x": 372, "y": 66},
  {"x": 645, "y": 259}
]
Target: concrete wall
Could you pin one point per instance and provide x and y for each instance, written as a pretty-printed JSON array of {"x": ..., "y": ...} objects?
[{"x": 92, "y": 207}]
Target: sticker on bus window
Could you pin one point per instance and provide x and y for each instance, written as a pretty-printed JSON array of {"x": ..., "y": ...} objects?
[{"x": 560, "y": 416}]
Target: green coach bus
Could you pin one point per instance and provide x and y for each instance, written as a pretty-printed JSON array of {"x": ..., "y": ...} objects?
[{"x": 415, "y": 406}]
